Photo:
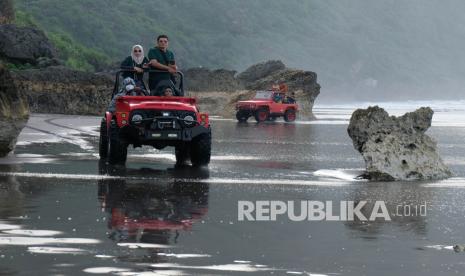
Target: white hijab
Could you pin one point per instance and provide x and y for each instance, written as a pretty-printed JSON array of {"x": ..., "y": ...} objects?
[{"x": 140, "y": 59}]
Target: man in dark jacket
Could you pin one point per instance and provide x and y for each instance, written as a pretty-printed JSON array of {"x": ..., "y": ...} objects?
[{"x": 160, "y": 58}]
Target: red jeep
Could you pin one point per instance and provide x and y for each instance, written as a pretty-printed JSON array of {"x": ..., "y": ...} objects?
[
  {"x": 157, "y": 121},
  {"x": 267, "y": 105}
]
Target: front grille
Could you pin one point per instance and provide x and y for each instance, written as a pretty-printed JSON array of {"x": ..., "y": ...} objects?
[{"x": 171, "y": 115}]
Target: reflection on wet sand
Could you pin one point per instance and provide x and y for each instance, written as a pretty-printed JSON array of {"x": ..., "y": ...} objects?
[
  {"x": 144, "y": 214},
  {"x": 13, "y": 194},
  {"x": 403, "y": 202}
]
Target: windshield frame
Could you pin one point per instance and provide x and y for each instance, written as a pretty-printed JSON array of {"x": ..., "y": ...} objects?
[{"x": 263, "y": 95}]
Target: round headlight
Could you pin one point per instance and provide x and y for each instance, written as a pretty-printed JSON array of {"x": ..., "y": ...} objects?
[
  {"x": 137, "y": 118},
  {"x": 188, "y": 120}
]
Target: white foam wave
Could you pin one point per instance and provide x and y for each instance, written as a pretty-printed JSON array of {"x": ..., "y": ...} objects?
[
  {"x": 153, "y": 273},
  {"x": 60, "y": 175},
  {"x": 242, "y": 262},
  {"x": 455, "y": 182},
  {"x": 144, "y": 245},
  {"x": 33, "y": 233},
  {"x": 335, "y": 182},
  {"x": 235, "y": 157},
  {"x": 101, "y": 256},
  {"x": 183, "y": 256},
  {"x": 440, "y": 247},
  {"x": 105, "y": 270},
  {"x": 6, "y": 226},
  {"x": 338, "y": 174},
  {"x": 16, "y": 240},
  {"x": 56, "y": 250},
  {"x": 226, "y": 267}
]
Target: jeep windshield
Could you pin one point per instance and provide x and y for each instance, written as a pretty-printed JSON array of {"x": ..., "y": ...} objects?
[{"x": 263, "y": 95}]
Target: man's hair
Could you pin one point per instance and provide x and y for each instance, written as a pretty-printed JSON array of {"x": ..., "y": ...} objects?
[{"x": 162, "y": 36}]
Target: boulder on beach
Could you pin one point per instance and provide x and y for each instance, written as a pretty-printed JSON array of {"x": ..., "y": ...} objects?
[
  {"x": 14, "y": 112},
  {"x": 396, "y": 148}
]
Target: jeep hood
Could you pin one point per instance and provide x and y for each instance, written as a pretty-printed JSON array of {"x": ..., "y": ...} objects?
[
  {"x": 158, "y": 103},
  {"x": 254, "y": 101}
]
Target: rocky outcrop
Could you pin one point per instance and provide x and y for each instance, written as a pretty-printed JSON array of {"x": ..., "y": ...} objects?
[
  {"x": 202, "y": 79},
  {"x": 7, "y": 13},
  {"x": 13, "y": 112},
  {"x": 302, "y": 83},
  {"x": 396, "y": 148},
  {"x": 61, "y": 90},
  {"x": 56, "y": 89},
  {"x": 261, "y": 70},
  {"x": 228, "y": 89},
  {"x": 20, "y": 45}
]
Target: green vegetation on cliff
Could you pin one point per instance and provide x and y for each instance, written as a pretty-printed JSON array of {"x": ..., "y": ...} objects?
[
  {"x": 214, "y": 34},
  {"x": 360, "y": 49},
  {"x": 73, "y": 53}
]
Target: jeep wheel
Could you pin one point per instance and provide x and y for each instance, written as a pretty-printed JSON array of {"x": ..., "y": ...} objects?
[
  {"x": 289, "y": 116},
  {"x": 261, "y": 115},
  {"x": 242, "y": 116},
  {"x": 182, "y": 154},
  {"x": 200, "y": 150},
  {"x": 117, "y": 151},
  {"x": 103, "y": 140}
]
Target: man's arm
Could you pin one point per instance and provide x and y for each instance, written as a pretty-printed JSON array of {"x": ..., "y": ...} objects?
[{"x": 157, "y": 65}]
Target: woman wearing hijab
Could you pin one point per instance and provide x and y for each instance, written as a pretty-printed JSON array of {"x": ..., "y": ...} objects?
[{"x": 136, "y": 61}]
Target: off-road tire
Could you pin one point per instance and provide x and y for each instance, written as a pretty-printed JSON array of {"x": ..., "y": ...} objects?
[
  {"x": 289, "y": 115},
  {"x": 242, "y": 116},
  {"x": 200, "y": 150},
  {"x": 182, "y": 153},
  {"x": 261, "y": 115},
  {"x": 103, "y": 140},
  {"x": 117, "y": 150}
]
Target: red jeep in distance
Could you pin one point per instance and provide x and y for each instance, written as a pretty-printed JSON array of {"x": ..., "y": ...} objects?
[
  {"x": 267, "y": 105},
  {"x": 157, "y": 121}
]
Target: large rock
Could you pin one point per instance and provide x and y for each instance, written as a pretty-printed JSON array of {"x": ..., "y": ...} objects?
[
  {"x": 302, "y": 83},
  {"x": 7, "y": 13},
  {"x": 58, "y": 89},
  {"x": 260, "y": 70},
  {"x": 13, "y": 112},
  {"x": 203, "y": 79},
  {"x": 396, "y": 148},
  {"x": 21, "y": 45}
]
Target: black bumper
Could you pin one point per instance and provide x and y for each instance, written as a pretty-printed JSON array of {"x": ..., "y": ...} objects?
[
  {"x": 136, "y": 135},
  {"x": 246, "y": 111}
]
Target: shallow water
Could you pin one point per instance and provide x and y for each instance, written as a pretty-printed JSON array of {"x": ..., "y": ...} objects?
[{"x": 62, "y": 212}]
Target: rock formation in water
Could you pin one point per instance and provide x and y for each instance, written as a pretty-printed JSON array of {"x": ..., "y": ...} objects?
[
  {"x": 13, "y": 112},
  {"x": 396, "y": 148}
]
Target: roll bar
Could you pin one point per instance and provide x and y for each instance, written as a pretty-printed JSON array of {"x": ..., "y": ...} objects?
[{"x": 146, "y": 70}]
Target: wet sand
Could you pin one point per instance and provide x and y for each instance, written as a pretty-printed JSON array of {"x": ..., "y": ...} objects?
[{"x": 62, "y": 212}]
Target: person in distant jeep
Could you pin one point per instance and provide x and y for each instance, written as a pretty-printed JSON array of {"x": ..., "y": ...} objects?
[{"x": 160, "y": 58}]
